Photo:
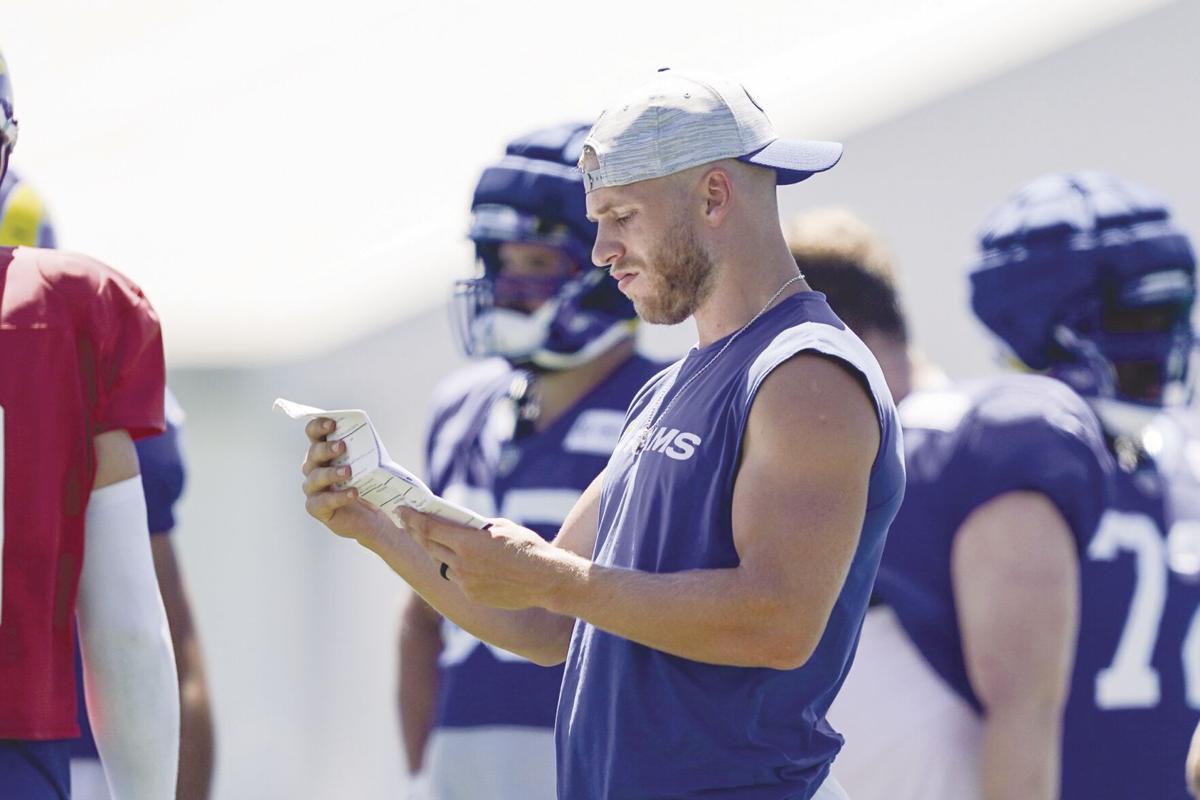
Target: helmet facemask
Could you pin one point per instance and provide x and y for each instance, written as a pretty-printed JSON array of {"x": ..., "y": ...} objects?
[{"x": 505, "y": 314}]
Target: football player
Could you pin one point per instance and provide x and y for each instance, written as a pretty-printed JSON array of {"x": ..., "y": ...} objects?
[
  {"x": 82, "y": 376},
  {"x": 1087, "y": 278},
  {"x": 979, "y": 456},
  {"x": 519, "y": 435},
  {"x": 24, "y": 221}
]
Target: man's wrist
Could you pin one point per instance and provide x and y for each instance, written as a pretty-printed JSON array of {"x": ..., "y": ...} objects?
[
  {"x": 378, "y": 535},
  {"x": 567, "y": 584}
]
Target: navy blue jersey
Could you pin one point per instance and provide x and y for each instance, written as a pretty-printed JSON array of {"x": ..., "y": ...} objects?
[
  {"x": 478, "y": 457},
  {"x": 161, "y": 462},
  {"x": 1130, "y": 713},
  {"x": 1136, "y": 684},
  {"x": 963, "y": 447},
  {"x": 635, "y": 722}
]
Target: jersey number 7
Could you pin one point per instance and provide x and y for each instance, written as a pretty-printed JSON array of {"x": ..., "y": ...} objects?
[{"x": 1131, "y": 681}]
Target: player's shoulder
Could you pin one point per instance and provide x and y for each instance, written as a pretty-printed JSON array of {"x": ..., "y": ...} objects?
[
  {"x": 1006, "y": 405},
  {"x": 45, "y": 286},
  {"x": 72, "y": 278},
  {"x": 1020, "y": 400},
  {"x": 473, "y": 386},
  {"x": 476, "y": 377},
  {"x": 71, "y": 272},
  {"x": 1016, "y": 432},
  {"x": 1003, "y": 429}
]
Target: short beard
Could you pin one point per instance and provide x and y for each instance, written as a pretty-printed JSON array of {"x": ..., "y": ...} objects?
[{"x": 683, "y": 271}]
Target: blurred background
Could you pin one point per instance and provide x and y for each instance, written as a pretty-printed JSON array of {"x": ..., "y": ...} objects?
[{"x": 289, "y": 183}]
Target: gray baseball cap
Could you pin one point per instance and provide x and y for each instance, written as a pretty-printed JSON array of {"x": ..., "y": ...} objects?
[{"x": 677, "y": 120}]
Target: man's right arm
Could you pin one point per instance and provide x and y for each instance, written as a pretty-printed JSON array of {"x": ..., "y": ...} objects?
[
  {"x": 1016, "y": 586},
  {"x": 129, "y": 668},
  {"x": 533, "y": 633}
]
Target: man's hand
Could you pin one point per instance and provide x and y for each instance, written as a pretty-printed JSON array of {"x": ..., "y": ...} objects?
[
  {"x": 504, "y": 566},
  {"x": 340, "y": 510},
  {"x": 507, "y": 567}
]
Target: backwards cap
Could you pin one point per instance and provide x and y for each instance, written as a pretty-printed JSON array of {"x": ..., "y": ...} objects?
[{"x": 676, "y": 121}]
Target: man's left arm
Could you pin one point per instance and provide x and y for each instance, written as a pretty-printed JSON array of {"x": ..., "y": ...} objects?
[{"x": 799, "y": 502}]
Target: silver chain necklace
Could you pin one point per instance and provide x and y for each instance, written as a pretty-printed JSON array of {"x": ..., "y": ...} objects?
[{"x": 643, "y": 434}]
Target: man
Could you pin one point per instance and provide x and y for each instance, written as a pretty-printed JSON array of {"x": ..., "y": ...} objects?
[
  {"x": 25, "y": 222},
  {"x": 1086, "y": 277},
  {"x": 1004, "y": 475},
  {"x": 520, "y": 435},
  {"x": 707, "y": 590},
  {"x": 82, "y": 377}
]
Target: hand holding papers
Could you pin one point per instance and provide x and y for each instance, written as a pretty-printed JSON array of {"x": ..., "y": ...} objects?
[{"x": 379, "y": 480}]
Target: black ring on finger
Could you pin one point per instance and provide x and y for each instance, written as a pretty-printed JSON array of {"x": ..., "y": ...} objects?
[{"x": 442, "y": 570}]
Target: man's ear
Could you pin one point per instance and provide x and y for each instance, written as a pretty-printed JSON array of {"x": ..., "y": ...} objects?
[{"x": 716, "y": 190}]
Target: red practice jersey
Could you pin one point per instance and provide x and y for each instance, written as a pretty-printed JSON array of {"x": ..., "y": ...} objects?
[{"x": 80, "y": 354}]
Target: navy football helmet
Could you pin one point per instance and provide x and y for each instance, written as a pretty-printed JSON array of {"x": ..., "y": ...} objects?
[
  {"x": 534, "y": 196},
  {"x": 1086, "y": 277},
  {"x": 8, "y": 123}
]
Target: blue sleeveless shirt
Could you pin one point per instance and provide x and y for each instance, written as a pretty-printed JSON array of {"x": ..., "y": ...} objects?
[{"x": 634, "y": 722}]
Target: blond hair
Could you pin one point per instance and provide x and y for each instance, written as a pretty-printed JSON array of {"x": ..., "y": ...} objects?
[{"x": 837, "y": 234}]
